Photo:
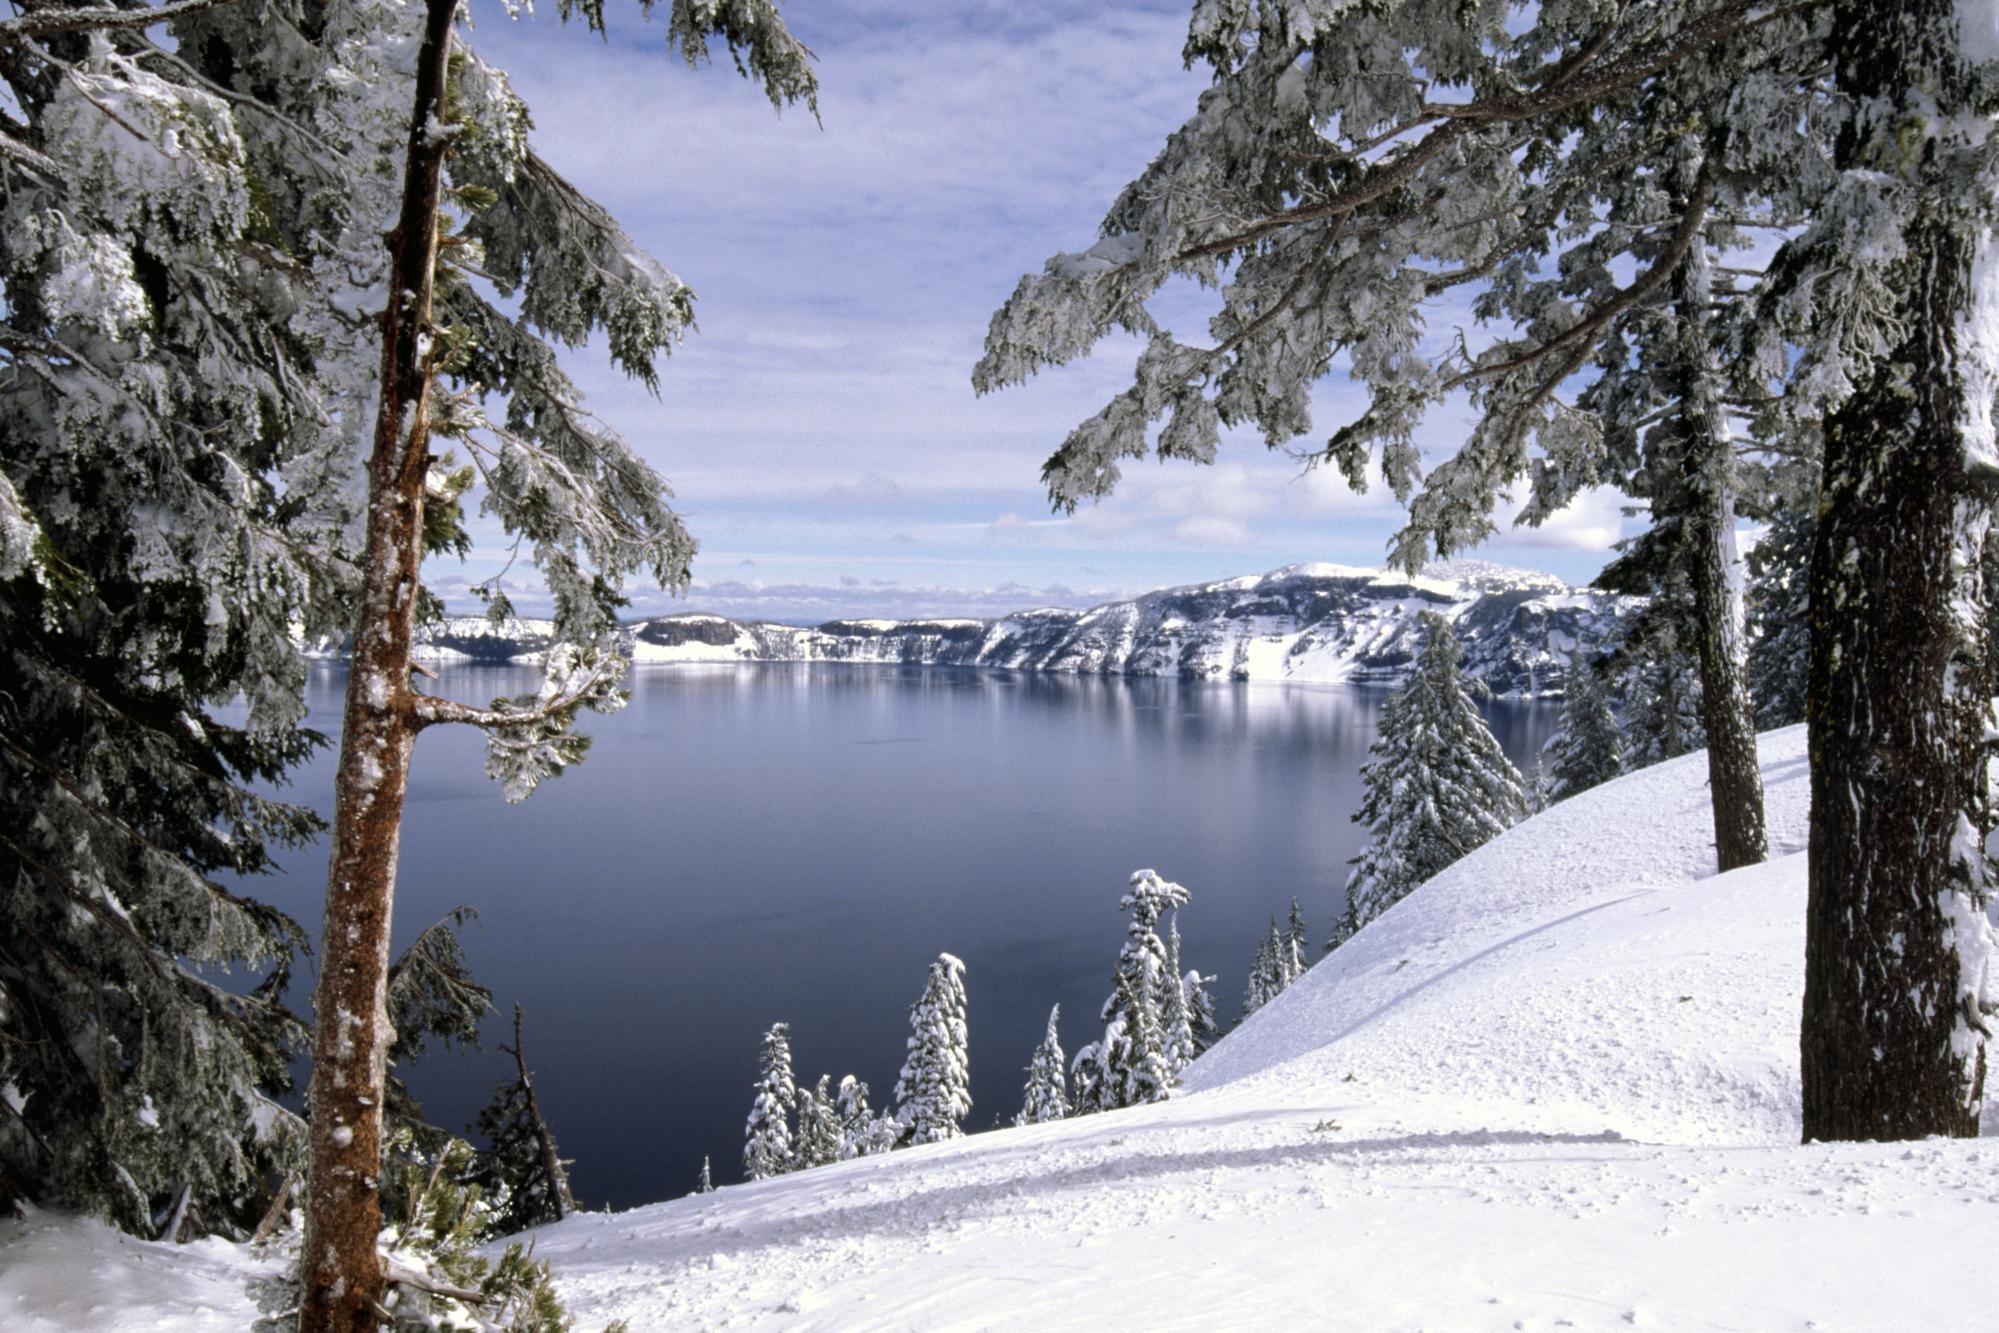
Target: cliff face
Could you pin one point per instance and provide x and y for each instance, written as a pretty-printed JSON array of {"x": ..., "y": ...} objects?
[{"x": 1306, "y": 623}]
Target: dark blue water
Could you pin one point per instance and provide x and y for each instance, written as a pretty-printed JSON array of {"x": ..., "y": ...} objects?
[{"x": 752, "y": 844}]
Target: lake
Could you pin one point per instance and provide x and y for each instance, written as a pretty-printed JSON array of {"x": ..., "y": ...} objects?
[{"x": 753, "y": 844}]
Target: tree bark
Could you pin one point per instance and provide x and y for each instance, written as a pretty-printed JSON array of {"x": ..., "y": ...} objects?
[
  {"x": 551, "y": 1161},
  {"x": 1896, "y": 700},
  {"x": 1735, "y": 783},
  {"x": 343, "y": 1275}
]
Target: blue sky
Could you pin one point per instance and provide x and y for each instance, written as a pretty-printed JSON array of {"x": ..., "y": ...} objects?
[{"x": 819, "y": 428}]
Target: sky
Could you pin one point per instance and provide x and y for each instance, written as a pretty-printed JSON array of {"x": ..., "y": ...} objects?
[{"x": 819, "y": 427}]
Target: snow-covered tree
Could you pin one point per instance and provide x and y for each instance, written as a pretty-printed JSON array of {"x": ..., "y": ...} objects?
[
  {"x": 1589, "y": 747},
  {"x": 1086, "y": 1080},
  {"x": 1881, "y": 325},
  {"x": 1131, "y": 1060},
  {"x": 1265, "y": 974},
  {"x": 933, "y": 1092},
  {"x": 1292, "y": 955},
  {"x": 863, "y": 1133},
  {"x": 705, "y": 1183},
  {"x": 1350, "y": 166},
  {"x": 1176, "y": 1020},
  {"x": 455, "y": 365},
  {"x": 1437, "y": 787},
  {"x": 1046, "y": 1096},
  {"x": 818, "y": 1139},
  {"x": 1201, "y": 1009},
  {"x": 767, "y": 1149}
]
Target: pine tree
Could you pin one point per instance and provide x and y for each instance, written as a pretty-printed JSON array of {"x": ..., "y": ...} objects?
[
  {"x": 1134, "y": 1067},
  {"x": 862, "y": 1132},
  {"x": 767, "y": 1134},
  {"x": 1134, "y": 1050},
  {"x": 933, "y": 1093},
  {"x": 706, "y": 1184},
  {"x": 1086, "y": 1079},
  {"x": 1780, "y": 618},
  {"x": 526, "y": 1177},
  {"x": 1883, "y": 309},
  {"x": 1262, "y": 973},
  {"x": 818, "y": 1139},
  {"x": 1589, "y": 748},
  {"x": 1330, "y": 200},
  {"x": 1175, "y": 1018},
  {"x": 1294, "y": 945},
  {"x": 590, "y": 508},
  {"x": 1437, "y": 787},
  {"x": 1201, "y": 1009},
  {"x": 1046, "y": 1096}
]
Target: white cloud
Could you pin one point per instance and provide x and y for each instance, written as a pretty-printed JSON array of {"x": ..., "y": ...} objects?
[{"x": 1593, "y": 521}]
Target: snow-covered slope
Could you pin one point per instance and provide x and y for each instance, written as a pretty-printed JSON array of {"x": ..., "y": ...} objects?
[
  {"x": 1556, "y": 1087},
  {"x": 1307, "y": 623}
]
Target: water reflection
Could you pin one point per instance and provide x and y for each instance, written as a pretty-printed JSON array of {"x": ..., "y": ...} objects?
[{"x": 747, "y": 844}]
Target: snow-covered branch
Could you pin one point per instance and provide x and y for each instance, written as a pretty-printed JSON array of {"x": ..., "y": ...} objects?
[{"x": 57, "y": 22}]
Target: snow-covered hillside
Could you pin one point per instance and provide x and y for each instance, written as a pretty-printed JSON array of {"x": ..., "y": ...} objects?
[
  {"x": 1556, "y": 1087},
  {"x": 1307, "y": 623}
]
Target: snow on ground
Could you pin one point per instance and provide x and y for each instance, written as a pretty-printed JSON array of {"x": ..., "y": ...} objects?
[{"x": 1554, "y": 1088}]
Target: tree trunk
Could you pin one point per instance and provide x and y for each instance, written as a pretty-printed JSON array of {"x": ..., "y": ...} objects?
[
  {"x": 551, "y": 1160},
  {"x": 1892, "y": 1045},
  {"x": 342, "y": 1274},
  {"x": 1735, "y": 784}
]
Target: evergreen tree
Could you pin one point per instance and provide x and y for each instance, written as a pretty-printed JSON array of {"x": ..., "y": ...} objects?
[
  {"x": 818, "y": 1139},
  {"x": 1259, "y": 990},
  {"x": 1437, "y": 787},
  {"x": 1134, "y": 1050},
  {"x": 1201, "y": 1010},
  {"x": 1780, "y": 618},
  {"x": 1329, "y": 198},
  {"x": 1881, "y": 323},
  {"x": 1537, "y": 785},
  {"x": 1086, "y": 1079},
  {"x": 706, "y": 1184},
  {"x": 933, "y": 1093},
  {"x": 1175, "y": 1018},
  {"x": 1046, "y": 1096},
  {"x": 767, "y": 1134},
  {"x": 1294, "y": 945},
  {"x": 1589, "y": 748},
  {"x": 525, "y": 1176},
  {"x": 1132, "y": 1054},
  {"x": 862, "y": 1132},
  {"x": 590, "y": 509}
]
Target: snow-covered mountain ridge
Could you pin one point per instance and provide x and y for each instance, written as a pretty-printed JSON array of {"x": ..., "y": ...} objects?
[
  {"x": 1303, "y": 623},
  {"x": 1555, "y": 1087}
]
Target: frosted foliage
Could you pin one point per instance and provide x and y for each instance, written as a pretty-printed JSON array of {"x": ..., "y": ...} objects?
[
  {"x": 1138, "y": 1059},
  {"x": 1437, "y": 787},
  {"x": 146, "y": 156},
  {"x": 818, "y": 1139},
  {"x": 1330, "y": 191},
  {"x": 192, "y": 272},
  {"x": 1046, "y": 1096},
  {"x": 1589, "y": 748},
  {"x": 933, "y": 1092},
  {"x": 862, "y": 1132},
  {"x": 767, "y": 1148},
  {"x": 522, "y": 755}
]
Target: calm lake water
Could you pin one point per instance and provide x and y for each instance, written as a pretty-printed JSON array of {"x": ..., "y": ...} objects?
[{"x": 752, "y": 844}]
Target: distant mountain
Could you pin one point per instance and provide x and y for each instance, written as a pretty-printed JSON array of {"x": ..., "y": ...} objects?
[{"x": 1303, "y": 623}]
